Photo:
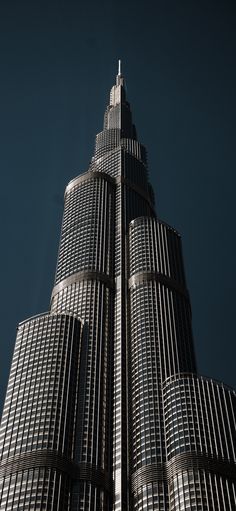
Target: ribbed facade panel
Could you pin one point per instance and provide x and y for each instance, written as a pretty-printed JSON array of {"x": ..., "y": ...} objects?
[
  {"x": 201, "y": 490},
  {"x": 151, "y": 497},
  {"x": 165, "y": 321},
  {"x": 131, "y": 200},
  {"x": 40, "y": 411},
  {"x": 159, "y": 303},
  {"x": 86, "y": 240},
  {"x": 202, "y": 413},
  {"x": 155, "y": 247},
  {"x": 134, "y": 170},
  {"x": 106, "y": 141},
  {"x": 118, "y": 154},
  {"x": 84, "y": 286},
  {"x": 93, "y": 300},
  {"x": 35, "y": 489},
  {"x": 200, "y": 418},
  {"x": 160, "y": 343}
]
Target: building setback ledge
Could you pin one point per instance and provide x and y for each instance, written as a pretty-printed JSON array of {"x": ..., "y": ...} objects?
[
  {"x": 180, "y": 463},
  {"x": 142, "y": 277},
  {"x": 83, "y": 275},
  {"x": 86, "y": 177},
  {"x": 53, "y": 459}
]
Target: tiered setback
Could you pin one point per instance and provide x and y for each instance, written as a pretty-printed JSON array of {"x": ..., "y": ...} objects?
[
  {"x": 106, "y": 412},
  {"x": 91, "y": 281},
  {"x": 182, "y": 427}
]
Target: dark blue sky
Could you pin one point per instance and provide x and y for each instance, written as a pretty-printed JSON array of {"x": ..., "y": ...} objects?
[{"x": 58, "y": 61}]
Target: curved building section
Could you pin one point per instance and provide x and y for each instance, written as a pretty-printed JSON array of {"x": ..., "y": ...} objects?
[
  {"x": 160, "y": 247},
  {"x": 106, "y": 141},
  {"x": 92, "y": 298},
  {"x": 39, "y": 422},
  {"x": 86, "y": 237},
  {"x": 84, "y": 285},
  {"x": 159, "y": 344},
  {"x": 122, "y": 157},
  {"x": 159, "y": 302},
  {"x": 200, "y": 420}
]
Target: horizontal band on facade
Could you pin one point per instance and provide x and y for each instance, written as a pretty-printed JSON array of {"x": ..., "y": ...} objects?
[
  {"x": 142, "y": 277},
  {"x": 82, "y": 275},
  {"x": 141, "y": 219},
  {"x": 86, "y": 177},
  {"x": 197, "y": 377},
  {"x": 200, "y": 461},
  {"x": 50, "y": 315},
  {"x": 54, "y": 460},
  {"x": 114, "y": 181},
  {"x": 110, "y": 141},
  {"x": 147, "y": 474},
  {"x": 95, "y": 475},
  {"x": 181, "y": 462}
]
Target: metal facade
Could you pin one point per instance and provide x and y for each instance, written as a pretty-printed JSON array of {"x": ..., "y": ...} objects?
[{"x": 107, "y": 412}]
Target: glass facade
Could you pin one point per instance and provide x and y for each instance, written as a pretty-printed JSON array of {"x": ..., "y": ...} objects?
[
  {"x": 104, "y": 408},
  {"x": 39, "y": 424},
  {"x": 200, "y": 418}
]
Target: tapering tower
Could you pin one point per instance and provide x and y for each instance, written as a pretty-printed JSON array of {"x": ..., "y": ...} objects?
[
  {"x": 104, "y": 408},
  {"x": 99, "y": 206}
]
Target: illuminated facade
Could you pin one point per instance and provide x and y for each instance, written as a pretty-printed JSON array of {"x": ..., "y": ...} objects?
[{"x": 104, "y": 408}]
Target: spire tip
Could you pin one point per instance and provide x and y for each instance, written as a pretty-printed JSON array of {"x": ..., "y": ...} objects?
[{"x": 119, "y": 67}]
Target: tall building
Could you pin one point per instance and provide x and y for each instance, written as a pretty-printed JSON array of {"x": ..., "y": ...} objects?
[{"x": 104, "y": 408}]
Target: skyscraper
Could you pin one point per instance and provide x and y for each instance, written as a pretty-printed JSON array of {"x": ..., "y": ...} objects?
[{"x": 104, "y": 407}]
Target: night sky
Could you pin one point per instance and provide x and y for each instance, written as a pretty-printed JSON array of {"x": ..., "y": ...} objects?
[{"x": 58, "y": 61}]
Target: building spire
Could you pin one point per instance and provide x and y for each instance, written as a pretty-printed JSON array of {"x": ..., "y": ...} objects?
[
  {"x": 119, "y": 76},
  {"x": 118, "y": 113}
]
